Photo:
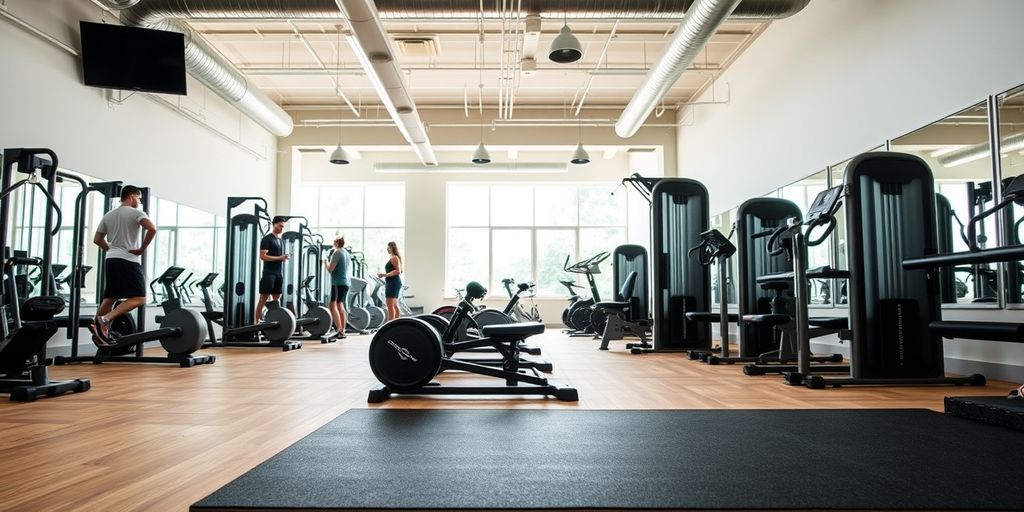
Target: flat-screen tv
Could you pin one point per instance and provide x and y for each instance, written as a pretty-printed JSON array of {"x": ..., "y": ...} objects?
[{"x": 131, "y": 58}]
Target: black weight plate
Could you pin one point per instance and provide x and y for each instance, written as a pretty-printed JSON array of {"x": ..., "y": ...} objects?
[
  {"x": 193, "y": 331},
  {"x": 438, "y": 322},
  {"x": 486, "y": 317},
  {"x": 323, "y": 321},
  {"x": 405, "y": 354},
  {"x": 286, "y": 324}
]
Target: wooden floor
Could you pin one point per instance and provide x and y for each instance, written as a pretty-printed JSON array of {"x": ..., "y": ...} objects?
[{"x": 159, "y": 438}]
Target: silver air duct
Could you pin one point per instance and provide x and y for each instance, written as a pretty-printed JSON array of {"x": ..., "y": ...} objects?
[
  {"x": 209, "y": 67},
  {"x": 214, "y": 71},
  {"x": 583, "y": 9},
  {"x": 1008, "y": 144},
  {"x": 689, "y": 39}
]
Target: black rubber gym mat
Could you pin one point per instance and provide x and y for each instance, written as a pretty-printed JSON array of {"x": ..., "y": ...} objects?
[
  {"x": 995, "y": 410},
  {"x": 585, "y": 460}
]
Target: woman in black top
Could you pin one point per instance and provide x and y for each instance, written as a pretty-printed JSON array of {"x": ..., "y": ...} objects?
[{"x": 392, "y": 276}]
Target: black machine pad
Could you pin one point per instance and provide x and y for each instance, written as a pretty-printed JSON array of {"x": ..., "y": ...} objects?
[
  {"x": 509, "y": 330},
  {"x": 767, "y": 319},
  {"x": 710, "y": 317}
]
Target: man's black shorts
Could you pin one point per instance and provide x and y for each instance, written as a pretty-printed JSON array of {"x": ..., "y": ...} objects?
[
  {"x": 271, "y": 284},
  {"x": 123, "y": 279},
  {"x": 339, "y": 293}
]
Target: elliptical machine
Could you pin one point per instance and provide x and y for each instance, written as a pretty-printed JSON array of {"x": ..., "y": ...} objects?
[{"x": 406, "y": 354}]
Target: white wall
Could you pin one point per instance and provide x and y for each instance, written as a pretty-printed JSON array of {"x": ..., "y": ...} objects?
[
  {"x": 425, "y": 193},
  {"x": 196, "y": 150},
  {"x": 842, "y": 77}
]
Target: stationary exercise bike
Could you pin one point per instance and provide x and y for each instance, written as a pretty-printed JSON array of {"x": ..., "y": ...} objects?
[
  {"x": 580, "y": 317},
  {"x": 408, "y": 353}
]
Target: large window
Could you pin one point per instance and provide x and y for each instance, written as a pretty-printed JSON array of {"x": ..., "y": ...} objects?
[
  {"x": 526, "y": 231},
  {"x": 368, "y": 215}
]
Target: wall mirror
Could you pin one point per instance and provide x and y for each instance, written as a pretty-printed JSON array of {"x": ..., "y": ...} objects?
[
  {"x": 957, "y": 150},
  {"x": 1011, "y": 155}
]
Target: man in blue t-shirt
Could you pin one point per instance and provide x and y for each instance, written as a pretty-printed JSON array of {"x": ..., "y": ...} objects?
[
  {"x": 338, "y": 265},
  {"x": 273, "y": 257}
]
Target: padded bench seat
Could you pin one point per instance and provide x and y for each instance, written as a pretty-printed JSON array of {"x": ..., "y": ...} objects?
[
  {"x": 825, "y": 272},
  {"x": 769, "y": 319},
  {"x": 512, "y": 330},
  {"x": 838, "y": 322},
  {"x": 707, "y": 316},
  {"x": 611, "y": 305}
]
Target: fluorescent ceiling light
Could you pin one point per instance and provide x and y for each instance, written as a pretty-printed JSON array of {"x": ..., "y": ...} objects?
[{"x": 461, "y": 168}]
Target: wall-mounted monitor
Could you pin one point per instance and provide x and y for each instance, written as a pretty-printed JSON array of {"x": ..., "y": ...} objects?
[{"x": 134, "y": 59}]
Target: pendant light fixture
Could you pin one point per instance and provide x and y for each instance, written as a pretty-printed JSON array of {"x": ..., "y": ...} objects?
[
  {"x": 339, "y": 156},
  {"x": 565, "y": 48},
  {"x": 481, "y": 156},
  {"x": 580, "y": 156}
]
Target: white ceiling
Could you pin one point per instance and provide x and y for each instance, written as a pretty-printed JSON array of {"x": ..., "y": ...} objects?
[{"x": 278, "y": 57}]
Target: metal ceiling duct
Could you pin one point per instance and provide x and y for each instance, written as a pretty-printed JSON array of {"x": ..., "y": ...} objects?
[
  {"x": 583, "y": 9},
  {"x": 372, "y": 47},
  {"x": 204, "y": 63},
  {"x": 207, "y": 66},
  {"x": 689, "y": 39},
  {"x": 1008, "y": 144}
]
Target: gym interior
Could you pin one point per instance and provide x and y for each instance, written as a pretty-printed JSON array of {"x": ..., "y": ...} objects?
[{"x": 679, "y": 255}]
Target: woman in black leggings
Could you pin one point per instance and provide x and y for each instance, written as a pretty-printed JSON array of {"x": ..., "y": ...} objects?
[{"x": 392, "y": 276}]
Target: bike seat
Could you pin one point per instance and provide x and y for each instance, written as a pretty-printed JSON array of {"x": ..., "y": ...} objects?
[
  {"x": 769, "y": 319},
  {"x": 511, "y": 330}
]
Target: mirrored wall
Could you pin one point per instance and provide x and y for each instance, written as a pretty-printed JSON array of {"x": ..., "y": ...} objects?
[
  {"x": 958, "y": 150},
  {"x": 187, "y": 237}
]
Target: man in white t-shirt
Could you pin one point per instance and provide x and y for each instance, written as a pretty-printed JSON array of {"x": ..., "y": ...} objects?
[{"x": 124, "y": 278}]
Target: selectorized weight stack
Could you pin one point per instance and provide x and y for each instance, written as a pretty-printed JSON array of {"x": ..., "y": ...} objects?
[
  {"x": 679, "y": 214},
  {"x": 313, "y": 320},
  {"x": 240, "y": 270}
]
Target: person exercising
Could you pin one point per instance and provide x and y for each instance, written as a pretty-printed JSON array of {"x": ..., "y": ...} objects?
[
  {"x": 338, "y": 266},
  {"x": 273, "y": 257},
  {"x": 123, "y": 277},
  {"x": 392, "y": 276}
]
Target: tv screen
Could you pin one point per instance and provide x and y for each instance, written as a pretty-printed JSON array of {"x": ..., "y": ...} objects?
[{"x": 131, "y": 58}]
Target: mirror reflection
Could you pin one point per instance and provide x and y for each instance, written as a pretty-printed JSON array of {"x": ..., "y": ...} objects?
[
  {"x": 957, "y": 150},
  {"x": 802, "y": 193},
  {"x": 1011, "y": 154},
  {"x": 723, "y": 222}
]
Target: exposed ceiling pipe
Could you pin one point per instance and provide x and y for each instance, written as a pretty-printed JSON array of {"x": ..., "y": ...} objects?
[
  {"x": 204, "y": 63},
  {"x": 686, "y": 44},
  {"x": 372, "y": 47},
  {"x": 589, "y": 9},
  {"x": 1010, "y": 143},
  {"x": 210, "y": 68}
]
